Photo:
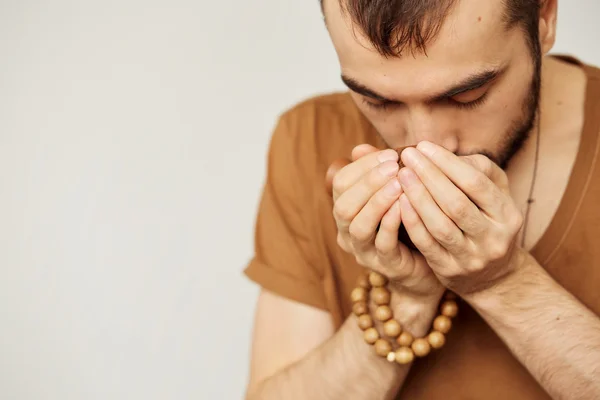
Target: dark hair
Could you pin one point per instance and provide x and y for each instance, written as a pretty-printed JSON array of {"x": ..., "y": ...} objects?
[{"x": 394, "y": 25}]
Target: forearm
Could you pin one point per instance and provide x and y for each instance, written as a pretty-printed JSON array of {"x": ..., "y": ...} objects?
[
  {"x": 345, "y": 366},
  {"x": 552, "y": 334}
]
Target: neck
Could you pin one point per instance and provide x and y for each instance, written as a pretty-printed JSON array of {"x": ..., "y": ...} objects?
[
  {"x": 556, "y": 132},
  {"x": 555, "y": 92}
]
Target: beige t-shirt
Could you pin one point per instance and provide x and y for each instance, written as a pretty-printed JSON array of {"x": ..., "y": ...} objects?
[{"x": 296, "y": 254}]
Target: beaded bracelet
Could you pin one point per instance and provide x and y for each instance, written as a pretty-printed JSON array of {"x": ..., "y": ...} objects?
[{"x": 373, "y": 284}]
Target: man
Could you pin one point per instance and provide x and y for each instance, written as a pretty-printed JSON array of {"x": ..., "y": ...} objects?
[{"x": 499, "y": 195}]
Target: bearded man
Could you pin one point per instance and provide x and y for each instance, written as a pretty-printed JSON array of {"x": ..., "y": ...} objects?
[{"x": 460, "y": 267}]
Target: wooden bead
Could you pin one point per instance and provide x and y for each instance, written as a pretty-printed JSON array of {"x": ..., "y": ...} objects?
[
  {"x": 449, "y": 308},
  {"x": 377, "y": 280},
  {"x": 358, "y": 294},
  {"x": 421, "y": 347},
  {"x": 450, "y": 296},
  {"x": 442, "y": 324},
  {"x": 360, "y": 308},
  {"x": 363, "y": 282},
  {"x": 405, "y": 339},
  {"x": 381, "y": 296},
  {"x": 383, "y": 313},
  {"x": 383, "y": 347},
  {"x": 365, "y": 322},
  {"x": 436, "y": 339},
  {"x": 391, "y": 357},
  {"x": 371, "y": 335},
  {"x": 404, "y": 355},
  {"x": 392, "y": 328}
]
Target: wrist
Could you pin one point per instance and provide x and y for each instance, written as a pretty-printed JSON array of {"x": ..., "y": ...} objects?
[
  {"x": 528, "y": 276},
  {"x": 411, "y": 332},
  {"x": 416, "y": 313}
]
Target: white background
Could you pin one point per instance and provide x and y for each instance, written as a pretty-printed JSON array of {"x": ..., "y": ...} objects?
[{"x": 132, "y": 145}]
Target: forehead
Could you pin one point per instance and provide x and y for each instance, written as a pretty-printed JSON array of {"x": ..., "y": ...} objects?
[{"x": 472, "y": 37}]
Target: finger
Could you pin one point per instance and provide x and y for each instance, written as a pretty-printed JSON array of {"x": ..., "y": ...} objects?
[
  {"x": 386, "y": 240},
  {"x": 362, "y": 150},
  {"x": 453, "y": 202},
  {"x": 353, "y": 172},
  {"x": 417, "y": 231},
  {"x": 473, "y": 182},
  {"x": 332, "y": 171},
  {"x": 358, "y": 152},
  {"x": 489, "y": 169},
  {"x": 352, "y": 200},
  {"x": 364, "y": 227},
  {"x": 343, "y": 243},
  {"x": 439, "y": 225}
]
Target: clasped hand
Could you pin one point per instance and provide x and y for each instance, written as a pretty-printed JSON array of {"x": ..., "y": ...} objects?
[{"x": 457, "y": 211}]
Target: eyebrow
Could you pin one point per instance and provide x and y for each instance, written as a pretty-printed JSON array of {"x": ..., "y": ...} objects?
[{"x": 472, "y": 82}]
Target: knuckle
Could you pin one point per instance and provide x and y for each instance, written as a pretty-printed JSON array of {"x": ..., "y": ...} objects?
[
  {"x": 516, "y": 222},
  {"x": 342, "y": 213},
  {"x": 477, "y": 264},
  {"x": 487, "y": 166},
  {"x": 428, "y": 245},
  {"x": 339, "y": 183},
  {"x": 359, "y": 232},
  {"x": 445, "y": 234},
  {"x": 460, "y": 209},
  {"x": 383, "y": 252},
  {"x": 384, "y": 248},
  {"x": 514, "y": 219},
  {"x": 482, "y": 163},
  {"x": 374, "y": 179},
  {"x": 338, "y": 180},
  {"x": 479, "y": 183},
  {"x": 497, "y": 250},
  {"x": 381, "y": 201}
]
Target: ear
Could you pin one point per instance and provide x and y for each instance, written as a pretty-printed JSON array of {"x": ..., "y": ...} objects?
[{"x": 547, "y": 26}]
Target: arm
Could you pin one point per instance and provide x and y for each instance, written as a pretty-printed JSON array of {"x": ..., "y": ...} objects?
[
  {"x": 297, "y": 355},
  {"x": 555, "y": 336},
  {"x": 469, "y": 224}
]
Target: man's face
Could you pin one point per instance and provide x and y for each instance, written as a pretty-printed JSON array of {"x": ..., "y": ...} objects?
[{"x": 474, "y": 92}]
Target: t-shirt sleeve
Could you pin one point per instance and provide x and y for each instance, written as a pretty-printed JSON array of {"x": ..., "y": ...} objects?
[{"x": 284, "y": 260}]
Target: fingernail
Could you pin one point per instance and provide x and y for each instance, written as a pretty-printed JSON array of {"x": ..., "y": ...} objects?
[
  {"x": 392, "y": 188},
  {"x": 387, "y": 155},
  {"x": 426, "y": 148},
  {"x": 407, "y": 177},
  {"x": 410, "y": 155},
  {"x": 388, "y": 168}
]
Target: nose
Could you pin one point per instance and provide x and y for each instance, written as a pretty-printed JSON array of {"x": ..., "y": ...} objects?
[{"x": 424, "y": 125}]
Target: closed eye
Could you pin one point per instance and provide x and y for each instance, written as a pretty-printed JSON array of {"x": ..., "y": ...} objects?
[
  {"x": 469, "y": 105},
  {"x": 465, "y": 100},
  {"x": 379, "y": 106},
  {"x": 471, "y": 98}
]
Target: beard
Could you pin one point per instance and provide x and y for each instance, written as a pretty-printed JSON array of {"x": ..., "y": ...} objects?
[{"x": 520, "y": 129}]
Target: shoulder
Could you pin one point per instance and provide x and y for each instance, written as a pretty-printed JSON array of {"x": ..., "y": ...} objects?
[
  {"x": 323, "y": 104},
  {"x": 332, "y": 112},
  {"x": 592, "y": 106},
  {"x": 325, "y": 127},
  {"x": 592, "y": 72}
]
